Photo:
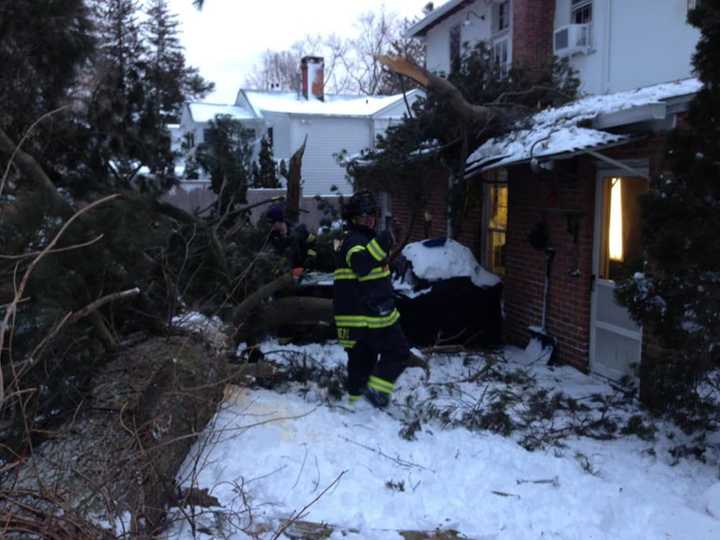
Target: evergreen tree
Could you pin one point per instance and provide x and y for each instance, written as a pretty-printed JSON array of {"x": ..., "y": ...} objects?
[
  {"x": 677, "y": 298},
  {"x": 265, "y": 170},
  {"x": 117, "y": 111},
  {"x": 435, "y": 136},
  {"x": 171, "y": 81},
  {"x": 168, "y": 84},
  {"x": 43, "y": 46},
  {"x": 226, "y": 155}
]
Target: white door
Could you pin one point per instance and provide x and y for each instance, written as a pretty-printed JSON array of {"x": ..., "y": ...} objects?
[{"x": 615, "y": 339}]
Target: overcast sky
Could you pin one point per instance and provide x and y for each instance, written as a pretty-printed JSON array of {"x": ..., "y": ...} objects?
[{"x": 226, "y": 38}]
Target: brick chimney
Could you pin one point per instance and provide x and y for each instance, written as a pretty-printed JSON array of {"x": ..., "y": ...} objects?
[
  {"x": 533, "y": 25},
  {"x": 313, "y": 77}
]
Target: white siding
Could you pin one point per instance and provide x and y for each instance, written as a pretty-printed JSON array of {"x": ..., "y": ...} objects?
[
  {"x": 636, "y": 43},
  {"x": 394, "y": 114},
  {"x": 326, "y": 137},
  {"x": 437, "y": 39},
  {"x": 281, "y": 134}
]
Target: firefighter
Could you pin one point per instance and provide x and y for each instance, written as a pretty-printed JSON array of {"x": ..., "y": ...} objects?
[
  {"x": 365, "y": 312},
  {"x": 294, "y": 242}
]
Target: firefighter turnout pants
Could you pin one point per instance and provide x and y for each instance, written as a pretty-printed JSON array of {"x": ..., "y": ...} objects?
[{"x": 376, "y": 360}]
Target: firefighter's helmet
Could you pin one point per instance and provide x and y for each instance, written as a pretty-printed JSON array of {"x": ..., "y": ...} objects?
[{"x": 362, "y": 203}]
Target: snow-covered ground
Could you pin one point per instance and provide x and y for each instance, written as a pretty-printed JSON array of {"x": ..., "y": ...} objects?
[{"x": 437, "y": 460}]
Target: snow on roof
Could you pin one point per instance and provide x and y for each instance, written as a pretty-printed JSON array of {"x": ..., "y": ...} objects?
[
  {"x": 334, "y": 105},
  {"x": 434, "y": 17},
  {"x": 450, "y": 259},
  {"x": 204, "y": 112},
  {"x": 557, "y": 130}
]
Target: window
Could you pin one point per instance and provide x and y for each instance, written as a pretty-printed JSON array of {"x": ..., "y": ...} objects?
[
  {"x": 501, "y": 16},
  {"x": 496, "y": 196},
  {"x": 581, "y": 12},
  {"x": 622, "y": 247},
  {"x": 455, "y": 38}
]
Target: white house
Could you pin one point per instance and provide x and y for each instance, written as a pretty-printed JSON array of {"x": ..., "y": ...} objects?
[
  {"x": 331, "y": 123},
  {"x": 615, "y": 45}
]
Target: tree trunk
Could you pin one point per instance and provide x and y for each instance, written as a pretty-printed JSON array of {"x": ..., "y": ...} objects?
[{"x": 294, "y": 182}]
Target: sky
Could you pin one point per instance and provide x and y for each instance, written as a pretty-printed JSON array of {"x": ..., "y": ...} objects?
[{"x": 226, "y": 38}]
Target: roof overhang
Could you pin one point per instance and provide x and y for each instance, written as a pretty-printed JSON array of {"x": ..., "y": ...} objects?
[
  {"x": 569, "y": 152},
  {"x": 435, "y": 17}
]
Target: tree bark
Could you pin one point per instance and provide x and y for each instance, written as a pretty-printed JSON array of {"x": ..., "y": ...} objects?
[
  {"x": 35, "y": 173},
  {"x": 294, "y": 182},
  {"x": 284, "y": 312},
  {"x": 443, "y": 88}
]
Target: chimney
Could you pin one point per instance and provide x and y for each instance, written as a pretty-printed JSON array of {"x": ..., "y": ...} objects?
[
  {"x": 313, "y": 77},
  {"x": 533, "y": 25}
]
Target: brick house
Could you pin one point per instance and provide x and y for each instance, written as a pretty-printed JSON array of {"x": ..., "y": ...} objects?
[{"x": 577, "y": 170}]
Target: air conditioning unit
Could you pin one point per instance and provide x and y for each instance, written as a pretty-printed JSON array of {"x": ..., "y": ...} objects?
[{"x": 572, "y": 39}]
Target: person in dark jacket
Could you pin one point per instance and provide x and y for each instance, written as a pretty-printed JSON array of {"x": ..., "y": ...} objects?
[
  {"x": 294, "y": 242},
  {"x": 365, "y": 312}
]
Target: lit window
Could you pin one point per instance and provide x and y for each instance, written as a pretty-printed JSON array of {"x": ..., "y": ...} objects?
[
  {"x": 622, "y": 252},
  {"x": 496, "y": 229},
  {"x": 581, "y": 12},
  {"x": 616, "y": 221}
]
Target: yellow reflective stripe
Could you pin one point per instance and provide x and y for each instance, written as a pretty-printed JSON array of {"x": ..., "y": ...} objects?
[
  {"x": 381, "y": 385},
  {"x": 352, "y": 398},
  {"x": 347, "y": 344},
  {"x": 383, "y": 322},
  {"x": 345, "y": 273},
  {"x": 376, "y": 273},
  {"x": 352, "y": 252},
  {"x": 376, "y": 250},
  {"x": 312, "y": 253},
  {"x": 349, "y": 321},
  {"x": 362, "y": 321}
]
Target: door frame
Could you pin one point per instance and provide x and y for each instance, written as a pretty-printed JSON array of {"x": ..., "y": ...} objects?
[{"x": 604, "y": 171}]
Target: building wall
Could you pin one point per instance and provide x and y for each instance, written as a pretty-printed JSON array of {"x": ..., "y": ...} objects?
[
  {"x": 437, "y": 39},
  {"x": 635, "y": 43},
  {"x": 569, "y": 296},
  {"x": 436, "y": 189},
  {"x": 327, "y": 137},
  {"x": 532, "y": 28},
  {"x": 280, "y": 124}
]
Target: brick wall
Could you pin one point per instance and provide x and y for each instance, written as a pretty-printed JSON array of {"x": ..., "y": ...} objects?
[
  {"x": 533, "y": 200},
  {"x": 533, "y": 23},
  {"x": 436, "y": 205},
  {"x": 570, "y": 295}
]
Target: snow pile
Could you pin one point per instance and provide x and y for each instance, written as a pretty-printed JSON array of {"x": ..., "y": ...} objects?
[
  {"x": 711, "y": 499},
  {"x": 557, "y": 130},
  {"x": 211, "y": 328},
  {"x": 433, "y": 262},
  {"x": 271, "y": 454}
]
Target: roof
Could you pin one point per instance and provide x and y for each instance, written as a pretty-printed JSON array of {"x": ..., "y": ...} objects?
[
  {"x": 334, "y": 105},
  {"x": 436, "y": 16},
  {"x": 558, "y": 130},
  {"x": 204, "y": 112}
]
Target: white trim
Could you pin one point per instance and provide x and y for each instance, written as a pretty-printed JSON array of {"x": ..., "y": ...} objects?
[
  {"x": 619, "y": 330},
  {"x": 601, "y": 174}
]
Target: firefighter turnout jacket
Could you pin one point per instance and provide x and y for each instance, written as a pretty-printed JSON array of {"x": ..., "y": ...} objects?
[{"x": 364, "y": 298}]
